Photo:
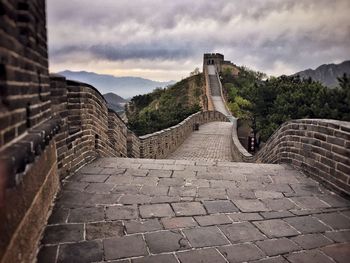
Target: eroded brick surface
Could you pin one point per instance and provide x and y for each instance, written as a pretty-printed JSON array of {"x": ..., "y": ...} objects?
[{"x": 139, "y": 210}]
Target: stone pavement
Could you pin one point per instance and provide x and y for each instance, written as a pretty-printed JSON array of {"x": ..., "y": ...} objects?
[
  {"x": 212, "y": 142},
  {"x": 134, "y": 210},
  {"x": 215, "y": 91}
]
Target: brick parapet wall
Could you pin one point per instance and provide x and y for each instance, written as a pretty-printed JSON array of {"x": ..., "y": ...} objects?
[
  {"x": 160, "y": 144},
  {"x": 28, "y": 167},
  {"x": 89, "y": 128},
  {"x": 23, "y": 68},
  {"x": 320, "y": 148},
  {"x": 133, "y": 145}
]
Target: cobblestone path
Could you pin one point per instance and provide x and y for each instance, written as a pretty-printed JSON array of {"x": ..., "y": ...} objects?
[
  {"x": 133, "y": 210},
  {"x": 211, "y": 143}
]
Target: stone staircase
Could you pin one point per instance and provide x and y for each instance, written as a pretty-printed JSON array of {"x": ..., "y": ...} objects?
[
  {"x": 214, "y": 85},
  {"x": 145, "y": 210}
]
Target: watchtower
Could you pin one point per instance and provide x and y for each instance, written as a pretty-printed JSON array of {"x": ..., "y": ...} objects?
[{"x": 214, "y": 59}]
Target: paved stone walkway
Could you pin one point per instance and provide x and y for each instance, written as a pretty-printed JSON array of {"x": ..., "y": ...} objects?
[
  {"x": 218, "y": 101},
  {"x": 211, "y": 143},
  {"x": 133, "y": 210}
]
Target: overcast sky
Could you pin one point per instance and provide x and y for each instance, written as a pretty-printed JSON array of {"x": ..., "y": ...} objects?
[{"x": 166, "y": 39}]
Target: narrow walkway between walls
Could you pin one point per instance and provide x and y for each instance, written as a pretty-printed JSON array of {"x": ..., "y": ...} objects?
[{"x": 212, "y": 142}]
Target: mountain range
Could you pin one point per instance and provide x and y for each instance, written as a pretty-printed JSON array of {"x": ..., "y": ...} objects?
[
  {"x": 327, "y": 73},
  {"x": 115, "y": 102},
  {"x": 126, "y": 87}
]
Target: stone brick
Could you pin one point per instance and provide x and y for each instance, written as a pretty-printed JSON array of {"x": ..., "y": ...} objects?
[
  {"x": 278, "y": 259},
  {"x": 250, "y": 205},
  {"x": 238, "y": 217},
  {"x": 178, "y": 222},
  {"x": 86, "y": 214},
  {"x": 63, "y": 233},
  {"x": 217, "y": 193},
  {"x": 275, "y": 228},
  {"x": 156, "y": 210},
  {"x": 188, "y": 209},
  {"x": 134, "y": 199},
  {"x": 273, "y": 215},
  {"x": 75, "y": 186},
  {"x": 211, "y": 220},
  {"x": 205, "y": 236},
  {"x": 151, "y": 181},
  {"x": 220, "y": 206},
  {"x": 102, "y": 230},
  {"x": 309, "y": 256},
  {"x": 184, "y": 174},
  {"x": 47, "y": 254},
  {"x": 154, "y": 190},
  {"x": 339, "y": 236},
  {"x": 307, "y": 224},
  {"x": 273, "y": 247},
  {"x": 165, "y": 199},
  {"x": 309, "y": 202},
  {"x": 335, "y": 220},
  {"x": 267, "y": 194},
  {"x": 126, "y": 189},
  {"x": 58, "y": 216},
  {"x": 94, "y": 178},
  {"x": 159, "y": 173},
  {"x": 171, "y": 181},
  {"x": 80, "y": 252},
  {"x": 102, "y": 188},
  {"x": 335, "y": 200},
  {"x": 281, "y": 204},
  {"x": 311, "y": 241},
  {"x": 208, "y": 255},
  {"x": 168, "y": 258},
  {"x": 241, "y": 252},
  {"x": 241, "y": 232},
  {"x": 148, "y": 225},
  {"x": 183, "y": 191},
  {"x": 166, "y": 241},
  {"x": 136, "y": 172},
  {"x": 121, "y": 212},
  {"x": 339, "y": 252},
  {"x": 128, "y": 246},
  {"x": 120, "y": 180}
]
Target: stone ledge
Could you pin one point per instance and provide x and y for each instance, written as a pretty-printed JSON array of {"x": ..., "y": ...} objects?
[{"x": 22, "y": 153}]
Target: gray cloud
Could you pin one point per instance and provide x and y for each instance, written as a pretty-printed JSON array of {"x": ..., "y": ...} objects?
[{"x": 275, "y": 36}]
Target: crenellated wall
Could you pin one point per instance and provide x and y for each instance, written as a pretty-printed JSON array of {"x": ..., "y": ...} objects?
[
  {"x": 28, "y": 161},
  {"x": 320, "y": 148},
  {"x": 160, "y": 144},
  {"x": 89, "y": 128}
]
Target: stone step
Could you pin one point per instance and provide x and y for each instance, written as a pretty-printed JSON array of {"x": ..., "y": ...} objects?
[{"x": 214, "y": 85}]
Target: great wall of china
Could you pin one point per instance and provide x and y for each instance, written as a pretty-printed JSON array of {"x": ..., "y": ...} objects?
[{"x": 51, "y": 127}]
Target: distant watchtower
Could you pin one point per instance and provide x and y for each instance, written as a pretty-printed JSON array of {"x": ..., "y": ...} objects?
[{"x": 214, "y": 59}]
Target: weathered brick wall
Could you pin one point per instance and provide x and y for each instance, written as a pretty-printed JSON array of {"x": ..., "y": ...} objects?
[
  {"x": 23, "y": 68},
  {"x": 89, "y": 128},
  {"x": 133, "y": 145},
  {"x": 28, "y": 168},
  {"x": 320, "y": 148},
  {"x": 160, "y": 144}
]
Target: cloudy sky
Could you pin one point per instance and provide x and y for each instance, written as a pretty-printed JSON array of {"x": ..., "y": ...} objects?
[{"x": 166, "y": 39}]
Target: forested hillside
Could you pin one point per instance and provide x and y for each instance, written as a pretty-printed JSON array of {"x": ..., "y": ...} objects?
[
  {"x": 164, "y": 108},
  {"x": 268, "y": 103}
]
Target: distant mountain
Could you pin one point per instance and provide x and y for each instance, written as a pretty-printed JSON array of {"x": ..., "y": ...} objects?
[
  {"x": 124, "y": 86},
  {"x": 327, "y": 74},
  {"x": 115, "y": 102}
]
